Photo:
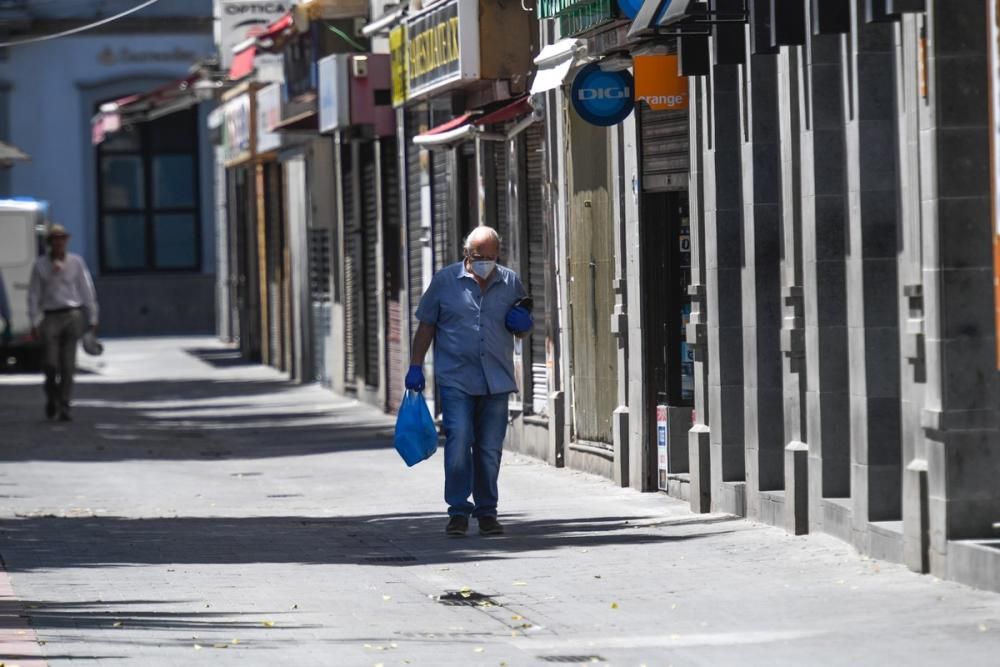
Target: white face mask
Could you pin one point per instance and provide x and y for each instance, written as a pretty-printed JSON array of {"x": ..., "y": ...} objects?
[{"x": 483, "y": 267}]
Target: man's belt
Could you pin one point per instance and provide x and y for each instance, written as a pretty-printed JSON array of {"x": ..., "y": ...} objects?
[{"x": 56, "y": 311}]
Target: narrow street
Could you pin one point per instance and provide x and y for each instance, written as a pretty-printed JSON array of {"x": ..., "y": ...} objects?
[{"x": 204, "y": 511}]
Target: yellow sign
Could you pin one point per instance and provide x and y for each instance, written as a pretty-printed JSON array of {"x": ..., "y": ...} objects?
[
  {"x": 442, "y": 46},
  {"x": 658, "y": 83},
  {"x": 398, "y": 65}
]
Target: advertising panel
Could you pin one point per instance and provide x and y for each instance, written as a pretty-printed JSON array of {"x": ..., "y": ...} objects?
[
  {"x": 397, "y": 62},
  {"x": 662, "y": 444},
  {"x": 236, "y": 130},
  {"x": 442, "y": 46},
  {"x": 658, "y": 83},
  {"x": 239, "y": 20},
  {"x": 334, "y": 93},
  {"x": 268, "y": 115}
]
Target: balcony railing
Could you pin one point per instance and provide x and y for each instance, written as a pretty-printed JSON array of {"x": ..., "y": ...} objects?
[{"x": 577, "y": 16}]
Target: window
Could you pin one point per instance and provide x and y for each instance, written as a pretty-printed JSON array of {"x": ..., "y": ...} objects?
[{"x": 148, "y": 196}]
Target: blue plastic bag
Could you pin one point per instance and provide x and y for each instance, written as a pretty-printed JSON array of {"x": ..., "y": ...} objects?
[{"x": 416, "y": 436}]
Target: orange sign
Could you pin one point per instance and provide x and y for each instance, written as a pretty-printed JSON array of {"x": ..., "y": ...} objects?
[{"x": 658, "y": 84}]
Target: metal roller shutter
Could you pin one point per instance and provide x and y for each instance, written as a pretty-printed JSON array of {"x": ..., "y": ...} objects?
[
  {"x": 351, "y": 266},
  {"x": 442, "y": 209},
  {"x": 500, "y": 170},
  {"x": 275, "y": 263},
  {"x": 537, "y": 263},
  {"x": 319, "y": 293},
  {"x": 664, "y": 147},
  {"x": 415, "y": 232},
  {"x": 369, "y": 235},
  {"x": 392, "y": 225}
]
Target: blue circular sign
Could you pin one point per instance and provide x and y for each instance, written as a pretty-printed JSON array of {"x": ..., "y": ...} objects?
[{"x": 603, "y": 98}]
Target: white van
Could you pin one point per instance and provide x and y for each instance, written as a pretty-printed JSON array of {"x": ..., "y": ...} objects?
[{"x": 22, "y": 239}]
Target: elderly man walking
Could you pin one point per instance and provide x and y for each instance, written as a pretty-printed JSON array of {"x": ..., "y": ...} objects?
[
  {"x": 62, "y": 305},
  {"x": 471, "y": 311}
]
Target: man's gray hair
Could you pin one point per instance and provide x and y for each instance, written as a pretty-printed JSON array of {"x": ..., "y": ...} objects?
[{"x": 492, "y": 234}]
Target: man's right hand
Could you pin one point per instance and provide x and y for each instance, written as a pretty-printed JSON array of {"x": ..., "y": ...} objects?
[{"x": 415, "y": 378}]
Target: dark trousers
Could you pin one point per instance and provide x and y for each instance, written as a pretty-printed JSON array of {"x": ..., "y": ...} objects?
[{"x": 60, "y": 330}]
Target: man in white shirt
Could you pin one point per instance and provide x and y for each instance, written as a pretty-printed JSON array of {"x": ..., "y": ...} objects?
[{"x": 62, "y": 305}]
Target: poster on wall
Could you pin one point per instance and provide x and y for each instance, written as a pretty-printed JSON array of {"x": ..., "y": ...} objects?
[{"x": 994, "y": 33}]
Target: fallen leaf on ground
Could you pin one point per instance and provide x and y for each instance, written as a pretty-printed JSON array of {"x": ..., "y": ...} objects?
[
  {"x": 520, "y": 583},
  {"x": 614, "y": 605},
  {"x": 268, "y": 624},
  {"x": 515, "y": 617},
  {"x": 478, "y": 649},
  {"x": 982, "y": 627},
  {"x": 197, "y": 647},
  {"x": 386, "y": 597},
  {"x": 234, "y": 641},
  {"x": 117, "y": 624},
  {"x": 220, "y": 645}
]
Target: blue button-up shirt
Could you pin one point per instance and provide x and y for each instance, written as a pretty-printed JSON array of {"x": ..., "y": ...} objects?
[{"x": 473, "y": 350}]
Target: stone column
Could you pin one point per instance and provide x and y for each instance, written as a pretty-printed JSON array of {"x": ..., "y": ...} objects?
[
  {"x": 960, "y": 418},
  {"x": 872, "y": 282},
  {"x": 761, "y": 282},
  {"x": 699, "y": 446},
  {"x": 794, "y": 380},
  {"x": 723, "y": 250},
  {"x": 824, "y": 218}
]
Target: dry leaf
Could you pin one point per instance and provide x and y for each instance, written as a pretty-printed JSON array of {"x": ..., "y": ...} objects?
[
  {"x": 268, "y": 624},
  {"x": 520, "y": 583},
  {"x": 234, "y": 641},
  {"x": 197, "y": 647},
  {"x": 386, "y": 598},
  {"x": 116, "y": 624},
  {"x": 220, "y": 645},
  {"x": 478, "y": 649},
  {"x": 515, "y": 617},
  {"x": 614, "y": 605},
  {"x": 982, "y": 627}
]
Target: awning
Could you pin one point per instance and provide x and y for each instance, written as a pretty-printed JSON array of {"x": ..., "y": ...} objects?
[
  {"x": 304, "y": 121},
  {"x": 515, "y": 109},
  {"x": 174, "y": 96},
  {"x": 554, "y": 63},
  {"x": 10, "y": 154},
  {"x": 271, "y": 39},
  {"x": 384, "y": 23},
  {"x": 243, "y": 64},
  {"x": 452, "y": 124}
]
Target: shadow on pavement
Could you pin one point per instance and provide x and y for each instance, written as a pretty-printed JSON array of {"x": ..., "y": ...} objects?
[
  {"x": 187, "y": 419},
  {"x": 406, "y": 539}
]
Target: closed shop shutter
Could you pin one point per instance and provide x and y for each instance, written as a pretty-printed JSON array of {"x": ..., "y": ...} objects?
[
  {"x": 415, "y": 232},
  {"x": 537, "y": 263},
  {"x": 352, "y": 266},
  {"x": 275, "y": 263},
  {"x": 503, "y": 214},
  {"x": 442, "y": 208},
  {"x": 319, "y": 294},
  {"x": 369, "y": 236},
  {"x": 664, "y": 146},
  {"x": 392, "y": 225}
]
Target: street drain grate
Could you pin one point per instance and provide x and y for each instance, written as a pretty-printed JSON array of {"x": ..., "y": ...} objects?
[
  {"x": 467, "y": 599},
  {"x": 571, "y": 658},
  {"x": 389, "y": 559}
]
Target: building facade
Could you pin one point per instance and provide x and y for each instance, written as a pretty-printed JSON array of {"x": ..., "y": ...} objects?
[{"x": 140, "y": 207}]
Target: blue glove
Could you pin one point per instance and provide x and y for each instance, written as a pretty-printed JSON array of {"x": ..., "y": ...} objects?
[
  {"x": 519, "y": 320},
  {"x": 415, "y": 378}
]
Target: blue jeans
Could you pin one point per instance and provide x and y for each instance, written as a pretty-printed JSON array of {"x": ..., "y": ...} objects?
[{"x": 474, "y": 428}]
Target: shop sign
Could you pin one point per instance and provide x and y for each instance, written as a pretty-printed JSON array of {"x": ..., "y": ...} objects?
[
  {"x": 236, "y": 130},
  {"x": 602, "y": 98},
  {"x": 239, "y": 20},
  {"x": 442, "y": 45},
  {"x": 268, "y": 116},
  {"x": 397, "y": 65},
  {"x": 334, "y": 93},
  {"x": 658, "y": 84}
]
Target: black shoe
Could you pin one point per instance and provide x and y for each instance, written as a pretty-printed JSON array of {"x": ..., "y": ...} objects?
[
  {"x": 50, "y": 409},
  {"x": 457, "y": 526},
  {"x": 64, "y": 416},
  {"x": 489, "y": 526}
]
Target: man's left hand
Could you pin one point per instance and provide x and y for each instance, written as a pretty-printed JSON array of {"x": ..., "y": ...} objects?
[{"x": 519, "y": 320}]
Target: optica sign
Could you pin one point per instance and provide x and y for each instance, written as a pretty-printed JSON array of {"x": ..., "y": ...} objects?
[{"x": 603, "y": 98}]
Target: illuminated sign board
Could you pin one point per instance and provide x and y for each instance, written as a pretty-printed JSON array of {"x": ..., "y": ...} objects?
[
  {"x": 398, "y": 65},
  {"x": 442, "y": 47}
]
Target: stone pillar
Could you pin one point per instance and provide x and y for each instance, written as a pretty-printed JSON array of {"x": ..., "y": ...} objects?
[
  {"x": 761, "y": 282},
  {"x": 794, "y": 380},
  {"x": 699, "y": 441},
  {"x": 723, "y": 250},
  {"x": 960, "y": 418},
  {"x": 824, "y": 216},
  {"x": 872, "y": 282}
]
